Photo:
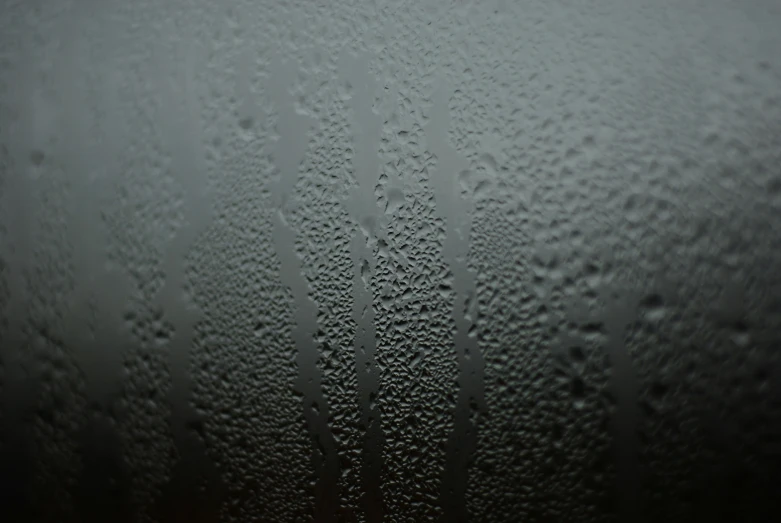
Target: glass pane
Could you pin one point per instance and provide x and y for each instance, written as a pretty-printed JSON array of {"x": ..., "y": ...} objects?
[{"x": 390, "y": 261}]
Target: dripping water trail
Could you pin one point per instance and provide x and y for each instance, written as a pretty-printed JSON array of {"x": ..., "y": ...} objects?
[
  {"x": 456, "y": 211},
  {"x": 195, "y": 491},
  {"x": 293, "y": 128},
  {"x": 94, "y": 325},
  {"x": 21, "y": 378},
  {"x": 362, "y": 206},
  {"x": 625, "y": 422}
]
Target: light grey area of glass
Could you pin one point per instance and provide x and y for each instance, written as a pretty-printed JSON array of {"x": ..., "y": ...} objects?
[{"x": 389, "y": 261}]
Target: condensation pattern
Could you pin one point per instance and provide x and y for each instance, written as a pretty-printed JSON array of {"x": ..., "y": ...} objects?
[{"x": 390, "y": 261}]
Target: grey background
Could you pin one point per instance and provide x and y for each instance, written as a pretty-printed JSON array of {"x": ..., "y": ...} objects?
[{"x": 390, "y": 261}]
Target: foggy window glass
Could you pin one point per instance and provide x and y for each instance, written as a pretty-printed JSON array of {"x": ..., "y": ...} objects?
[{"x": 390, "y": 261}]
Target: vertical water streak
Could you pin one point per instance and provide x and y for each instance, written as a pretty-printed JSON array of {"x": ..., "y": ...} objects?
[
  {"x": 94, "y": 322},
  {"x": 362, "y": 206},
  {"x": 89, "y": 163},
  {"x": 293, "y": 128},
  {"x": 182, "y": 135},
  {"x": 456, "y": 212},
  {"x": 21, "y": 374},
  {"x": 626, "y": 419},
  {"x": 249, "y": 112}
]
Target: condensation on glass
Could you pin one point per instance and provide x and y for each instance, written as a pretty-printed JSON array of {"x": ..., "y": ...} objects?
[{"x": 390, "y": 261}]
